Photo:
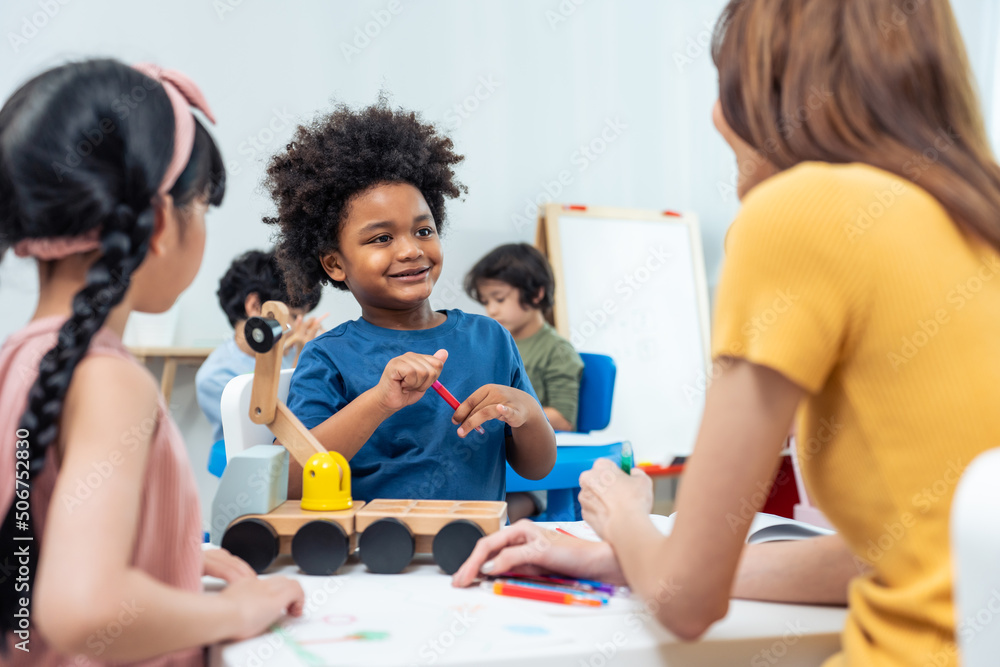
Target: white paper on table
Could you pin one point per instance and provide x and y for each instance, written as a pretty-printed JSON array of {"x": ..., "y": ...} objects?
[{"x": 402, "y": 620}]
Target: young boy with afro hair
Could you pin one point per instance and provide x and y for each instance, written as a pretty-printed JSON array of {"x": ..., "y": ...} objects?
[{"x": 361, "y": 204}]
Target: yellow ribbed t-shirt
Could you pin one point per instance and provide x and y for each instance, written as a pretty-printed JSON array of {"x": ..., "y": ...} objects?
[{"x": 856, "y": 284}]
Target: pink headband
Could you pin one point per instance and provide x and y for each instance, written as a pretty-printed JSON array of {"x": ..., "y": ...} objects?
[{"x": 183, "y": 93}]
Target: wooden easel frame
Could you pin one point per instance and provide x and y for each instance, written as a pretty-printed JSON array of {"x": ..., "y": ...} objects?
[{"x": 547, "y": 240}]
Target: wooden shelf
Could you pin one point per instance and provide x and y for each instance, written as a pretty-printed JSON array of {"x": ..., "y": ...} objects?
[{"x": 172, "y": 356}]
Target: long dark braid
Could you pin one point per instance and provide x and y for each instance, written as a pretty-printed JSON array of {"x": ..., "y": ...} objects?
[
  {"x": 124, "y": 247},
  {"x": 120, "y": 180}
]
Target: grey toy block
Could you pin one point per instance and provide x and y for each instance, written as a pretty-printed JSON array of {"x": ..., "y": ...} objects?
[{"x": 255, "y": 482}]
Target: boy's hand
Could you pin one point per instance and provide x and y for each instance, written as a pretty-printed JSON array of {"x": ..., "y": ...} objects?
[
  {"x": 302, "y": 331},
  {"x": 310, "y": 328},
  {"x": 495, "y": 401},
  {"x": 407, "y": 377}
]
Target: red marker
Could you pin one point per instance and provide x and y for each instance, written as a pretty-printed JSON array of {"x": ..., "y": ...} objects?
[
  {"x": 451, "y": 400},
  {"x": 574, "y": 207},
  {"x": 672, "y": 214},
  {"x": 543, "y": 595}
]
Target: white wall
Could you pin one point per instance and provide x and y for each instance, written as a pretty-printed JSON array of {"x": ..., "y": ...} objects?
[
  {"x": 553, "y": 89},
  {"x": 559, "y": 70}
]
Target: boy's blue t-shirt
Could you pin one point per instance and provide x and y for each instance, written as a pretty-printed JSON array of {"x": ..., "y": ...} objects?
[{"x": 415, "y": 453}]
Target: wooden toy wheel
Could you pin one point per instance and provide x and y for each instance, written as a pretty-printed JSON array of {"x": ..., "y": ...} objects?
[
  {"x": 386, "y": 546},
  {"x": 454, "y": 544},
  {"x": 253, "y": 540},
  {"x": 320, "y": 547}
]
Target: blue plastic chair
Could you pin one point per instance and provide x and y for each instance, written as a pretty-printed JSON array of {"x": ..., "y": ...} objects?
[
  {"x": 597, "y": 389},
  {"x": 217, "y": 458}
]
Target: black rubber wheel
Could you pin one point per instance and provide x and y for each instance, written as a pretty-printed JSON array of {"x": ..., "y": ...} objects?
[
  {"x": 454, "y": 544},
  {"x": 386, "y": 546},
  {"x": 262, "y": 333},
  {"x": 253, "y": 540},
  {"x": 320, "y": 547}
]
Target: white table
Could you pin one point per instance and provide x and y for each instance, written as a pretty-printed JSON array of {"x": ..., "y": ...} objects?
[{"x": 416, "y": 618}]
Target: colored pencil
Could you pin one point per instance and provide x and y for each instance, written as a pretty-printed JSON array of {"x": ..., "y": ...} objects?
[
  {"x": 558, "y": 588},
  {"x": 581, "y": 585},
  {"x": 450, "y": 399},
  {"x": 529, "y": 593},
  {"x": 626, "y": 463}
]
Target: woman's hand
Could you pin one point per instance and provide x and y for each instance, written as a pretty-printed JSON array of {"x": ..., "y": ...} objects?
[
  {"x": 495, "y": 401},
  {"x": 607, "y": 493},
  {"x": 222, "y": 564},
  {"x": 527, "y": 548},
  {"x": 407, "y": 377}
]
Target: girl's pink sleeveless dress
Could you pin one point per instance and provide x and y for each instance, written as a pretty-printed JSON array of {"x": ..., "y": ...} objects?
[{"x": 168, "y": 536}]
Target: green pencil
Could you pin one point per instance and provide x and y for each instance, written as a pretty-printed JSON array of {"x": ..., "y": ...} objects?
[{"x": 626, "y": 462}]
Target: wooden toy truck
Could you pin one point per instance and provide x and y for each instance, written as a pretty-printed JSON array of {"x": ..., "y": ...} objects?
[{"x": 253, "y": 519}]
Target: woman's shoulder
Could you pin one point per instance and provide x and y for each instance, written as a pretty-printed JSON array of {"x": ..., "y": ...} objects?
[
  {"x": 808, "y": 204},
  {"x": 822, "y": 183},
  {"x": 835, "y": 205}
]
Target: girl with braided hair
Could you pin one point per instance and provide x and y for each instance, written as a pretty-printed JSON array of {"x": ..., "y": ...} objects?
[{"x": 105, "y": 178}]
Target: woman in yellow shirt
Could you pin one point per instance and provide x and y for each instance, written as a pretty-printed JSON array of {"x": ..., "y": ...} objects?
[{"x": 861, "y": 287}]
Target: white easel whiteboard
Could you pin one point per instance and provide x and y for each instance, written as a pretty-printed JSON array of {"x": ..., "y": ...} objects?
[{"x": 631, "y": 284}]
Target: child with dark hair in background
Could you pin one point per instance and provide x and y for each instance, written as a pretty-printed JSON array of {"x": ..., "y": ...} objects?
[
  {"x": 122, "y": 229},
  {"x": 361, "y": 203},
  {"x": 252, "y": 280},
  {"x": 515, "y": 284}
]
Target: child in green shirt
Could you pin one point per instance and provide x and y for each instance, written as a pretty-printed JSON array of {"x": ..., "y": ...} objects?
[{"x": 515, "y": 284}]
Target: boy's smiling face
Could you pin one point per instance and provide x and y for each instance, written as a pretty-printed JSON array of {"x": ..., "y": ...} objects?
[{"x": 390, "y": 253}]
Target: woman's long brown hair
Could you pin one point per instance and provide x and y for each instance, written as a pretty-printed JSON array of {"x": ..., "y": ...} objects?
[{"x": 884, "y": 82}]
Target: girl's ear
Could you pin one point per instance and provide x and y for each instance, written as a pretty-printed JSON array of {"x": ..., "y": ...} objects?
[
  {"x": 538, "y": 297},
  {"x": 251, "y": 305},
  {"x": 164, "y": 225},
  {"x": 332, "y": 265}
]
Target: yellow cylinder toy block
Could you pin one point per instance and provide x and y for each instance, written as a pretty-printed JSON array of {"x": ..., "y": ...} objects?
[{"x": 326, "y": 483}]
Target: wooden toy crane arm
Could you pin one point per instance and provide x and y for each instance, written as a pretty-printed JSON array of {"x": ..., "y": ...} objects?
[{"x": 264, "y": 334}]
